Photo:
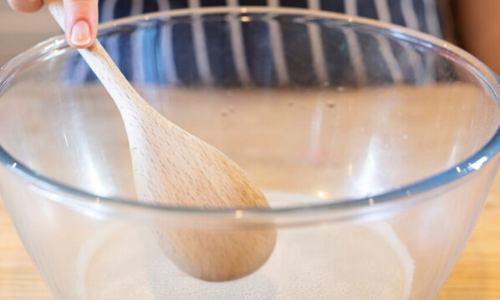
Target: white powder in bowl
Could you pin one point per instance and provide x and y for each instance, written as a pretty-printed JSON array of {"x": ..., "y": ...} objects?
[{"x": 350, "y": 261}]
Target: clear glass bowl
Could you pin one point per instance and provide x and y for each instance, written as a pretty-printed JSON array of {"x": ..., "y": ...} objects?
[{"x": 375, "y": 145}]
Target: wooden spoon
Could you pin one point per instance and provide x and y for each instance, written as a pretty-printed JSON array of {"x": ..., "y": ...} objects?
[{"x": 172, "y": 167}]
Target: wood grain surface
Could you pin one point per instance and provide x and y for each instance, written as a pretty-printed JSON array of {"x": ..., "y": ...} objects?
[{"x": 476, "y": 276}]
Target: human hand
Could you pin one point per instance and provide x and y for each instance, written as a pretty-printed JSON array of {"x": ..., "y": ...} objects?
[{"x": 81, "y": 18}]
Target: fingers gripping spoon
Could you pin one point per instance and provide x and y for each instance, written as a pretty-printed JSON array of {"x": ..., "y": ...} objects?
[{"x": 172, "y": 167}]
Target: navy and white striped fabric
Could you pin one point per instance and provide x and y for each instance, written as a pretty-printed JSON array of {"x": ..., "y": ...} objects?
[
  {"x": 423, "y": 15},
  {"x": 268, "y": 53}
]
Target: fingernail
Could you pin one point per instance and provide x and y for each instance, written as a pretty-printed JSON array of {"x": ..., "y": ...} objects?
[{"x": 80, "y": 35}]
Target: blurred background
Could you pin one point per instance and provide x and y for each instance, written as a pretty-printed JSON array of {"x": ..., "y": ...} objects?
[{"x": 19, "y": 32}]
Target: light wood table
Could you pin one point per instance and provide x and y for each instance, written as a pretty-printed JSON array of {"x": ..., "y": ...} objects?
[{"x": 476, "y": 276}]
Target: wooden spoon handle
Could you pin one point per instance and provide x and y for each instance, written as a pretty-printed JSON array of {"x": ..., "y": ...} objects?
[{"x": 122, "y": 92}]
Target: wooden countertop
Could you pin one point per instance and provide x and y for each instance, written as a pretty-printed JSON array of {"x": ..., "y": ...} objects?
[{"x": 476, "y": 276}]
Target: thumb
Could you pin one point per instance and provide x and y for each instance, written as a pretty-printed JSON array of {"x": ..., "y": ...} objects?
[{"x": 81, "y": 19}]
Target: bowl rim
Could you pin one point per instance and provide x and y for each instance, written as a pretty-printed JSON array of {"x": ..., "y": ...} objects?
[{"x": 403, "y": 194}]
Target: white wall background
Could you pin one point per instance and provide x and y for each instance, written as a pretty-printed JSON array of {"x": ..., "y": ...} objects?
[{"x": 19, "y": 32}]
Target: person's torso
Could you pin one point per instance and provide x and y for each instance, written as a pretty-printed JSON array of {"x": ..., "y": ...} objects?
[
  {"x": 429, "y": 16},
  {"x": 266, "y": 53}
]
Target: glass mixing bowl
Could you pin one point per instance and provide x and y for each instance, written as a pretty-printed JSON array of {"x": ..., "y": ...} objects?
[{"x": 375, "y": 146}]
